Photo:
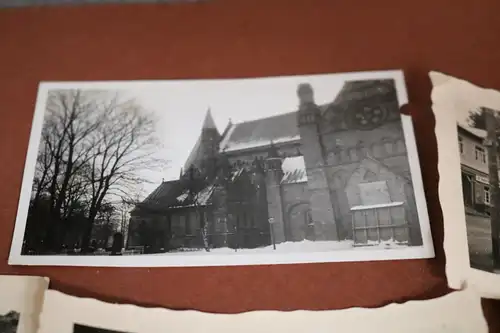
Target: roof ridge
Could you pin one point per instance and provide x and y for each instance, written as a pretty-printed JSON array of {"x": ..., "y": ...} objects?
[
  {"x": 265, "y": 118},
  {"x": 276, "y": 115}
]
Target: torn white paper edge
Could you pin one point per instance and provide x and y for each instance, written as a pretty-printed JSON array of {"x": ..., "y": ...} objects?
[
  {"x": 447, "y": 93},
  {"x": 24, "y": 295},
  {"x": 457, "y": 312}
]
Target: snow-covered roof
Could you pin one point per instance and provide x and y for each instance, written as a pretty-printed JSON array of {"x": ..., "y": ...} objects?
[
  {"x": 294, "y": 170},
  {"x": 383, "y": 205},
  {"x": 204, "y": 195},
  {"x": 283, "y": 128},
  {"x": 175, "y": 194},
  {"x": 261, "y": 132},
  {"x": 480, "y": 133}
]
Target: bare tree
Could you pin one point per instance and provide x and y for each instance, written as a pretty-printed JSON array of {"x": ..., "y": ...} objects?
[
  {"x": 94, "y": 145},
  {"x": 124, "y": 145},
  {"x": 70, "y": 118},
  {"x": 125, "y": 207}
]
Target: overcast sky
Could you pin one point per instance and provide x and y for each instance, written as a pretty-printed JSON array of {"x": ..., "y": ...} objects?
[{"x": 181, "y": 107}]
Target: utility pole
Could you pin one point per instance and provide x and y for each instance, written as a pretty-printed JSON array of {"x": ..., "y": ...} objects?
[
  {"x": 491, "y": 143},
  {"x": 271, "y": 229}
]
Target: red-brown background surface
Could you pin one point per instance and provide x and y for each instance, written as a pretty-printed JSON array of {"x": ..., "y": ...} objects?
[{"x": 222, "y": 39}]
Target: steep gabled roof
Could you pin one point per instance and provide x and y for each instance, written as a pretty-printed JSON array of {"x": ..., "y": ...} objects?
[
  {"x": 209, "y": 121},
  {"x": 283, "y": 128},
  {"x": 174, "y": 194},
  {"x": 162, "y": 192},
  {"x": 478, "y": 134},
  {"x": 261, "y": 132},
  {"x": 196, "y": 154}
]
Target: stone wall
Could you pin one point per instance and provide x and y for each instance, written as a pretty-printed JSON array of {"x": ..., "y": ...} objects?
[
  {"x": 296, "y": 209},
  {"x": 346, "y": 150},
  {"x": 313, "y": 150},
  {"x": 247, "y": 158}
]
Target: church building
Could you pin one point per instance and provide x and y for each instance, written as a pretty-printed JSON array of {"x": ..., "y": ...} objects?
[{"x": 330, "y": 172}]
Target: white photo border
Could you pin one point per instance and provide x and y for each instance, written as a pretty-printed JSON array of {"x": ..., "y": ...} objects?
[
  {"x": 446, "y": 91},
  {"x": 459, "y": 312},
  {"x": 421, "y": 252},
  {"x": 24, "y": 295}
]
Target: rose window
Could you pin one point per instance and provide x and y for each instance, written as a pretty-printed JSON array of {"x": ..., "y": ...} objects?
[{"x": 367, "y": 118}]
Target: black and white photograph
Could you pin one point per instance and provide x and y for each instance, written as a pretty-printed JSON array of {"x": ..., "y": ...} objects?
[
  {"x": 478, "y": 141},
  {"x": 458, "y": 311},
  {"x": 21, "y": 300},
  {"x": 293, "y": 169},
  {"x": 9, "y": 322},
  {"x": 467, "y": 133}
]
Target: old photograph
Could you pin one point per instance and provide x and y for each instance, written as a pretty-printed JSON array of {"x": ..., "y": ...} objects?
[
  {"x": 467, "y": 133},
  {"x": 9, "y": 322},
  {"x": 478, "y": 144},
  {"x": 457, "y": 312},
  {"x": 21, "y": 300},
  {"x": 222, "y": 172}
]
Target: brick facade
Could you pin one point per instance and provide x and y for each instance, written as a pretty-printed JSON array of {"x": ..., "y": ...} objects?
[{"x": 356, "y": 139}]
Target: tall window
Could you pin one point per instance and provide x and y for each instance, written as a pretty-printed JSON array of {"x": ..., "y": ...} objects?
[
  {"x": 461, "y": 144},
  {"x": 487, "y": 195},
  {"x": 480, "y": 154}
]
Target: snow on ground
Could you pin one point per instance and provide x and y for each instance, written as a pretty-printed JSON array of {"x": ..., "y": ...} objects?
[{"x": 296, "y": 247}]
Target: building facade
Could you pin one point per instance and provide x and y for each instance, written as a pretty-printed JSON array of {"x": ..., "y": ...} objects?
[
  {"x": 321, "y": 173},
  {"x": 474, "y": 168}
]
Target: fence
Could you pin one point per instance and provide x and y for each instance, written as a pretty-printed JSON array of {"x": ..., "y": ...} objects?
[{"x": 375, "y": 224}]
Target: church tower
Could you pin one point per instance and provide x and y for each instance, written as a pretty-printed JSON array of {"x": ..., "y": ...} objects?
[
  {"x": 309, "y": 118},
  {"x": 210, "y": 136},
  {"x": 274, "y": 174},
  {"x": 205, "y": 153}
]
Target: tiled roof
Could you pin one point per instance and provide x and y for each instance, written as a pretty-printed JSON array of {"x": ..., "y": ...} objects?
[
  {"x": 261, "y": 132},
  {"x": 194, "y": 155},
  {"x": 163, "y": 192},
  {"x": 174, "y": 194}
]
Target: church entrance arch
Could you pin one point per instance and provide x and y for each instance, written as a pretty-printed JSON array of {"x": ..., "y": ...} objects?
[{"x": 299, "y": 222}]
